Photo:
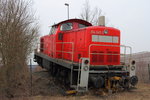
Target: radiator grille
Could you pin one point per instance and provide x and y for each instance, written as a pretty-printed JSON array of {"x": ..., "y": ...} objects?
[
  {"x": 116, "y": 57},
  {"x": 100, "y": 57},
  {"x": 94, "y": 57},
  {"x": 109, "y": 57}
]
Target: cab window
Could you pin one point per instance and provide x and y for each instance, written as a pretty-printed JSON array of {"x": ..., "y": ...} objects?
[
  {"x": 82, "y": 26},
  {"x": 53, "y": 30},
  {"x": 66, "y": 27}
]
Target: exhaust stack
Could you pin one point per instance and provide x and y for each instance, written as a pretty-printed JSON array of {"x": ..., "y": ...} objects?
[{"x": 101, "y": 21}]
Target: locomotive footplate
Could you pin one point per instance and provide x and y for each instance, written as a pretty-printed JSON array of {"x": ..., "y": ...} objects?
[
  {"x": 69, "y": 64},
  {"x": 108, "y": 77}
]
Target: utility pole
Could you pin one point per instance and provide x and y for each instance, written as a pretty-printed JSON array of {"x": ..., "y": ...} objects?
[
  {"x": 66, "y": 4},
  {"x": 149, "y": 70}
]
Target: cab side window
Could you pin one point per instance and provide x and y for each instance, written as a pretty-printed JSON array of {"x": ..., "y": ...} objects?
[
  {"x": 66, "y": 27},
  {"x": 82, "y": 26},
  {"x": 53, "y": 30}
]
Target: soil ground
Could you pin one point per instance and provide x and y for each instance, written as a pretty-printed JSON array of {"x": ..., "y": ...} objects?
[{"x": 47, "y": 88}]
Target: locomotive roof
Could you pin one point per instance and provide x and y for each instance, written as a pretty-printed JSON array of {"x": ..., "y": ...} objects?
[{"x": 74, "y": 20}]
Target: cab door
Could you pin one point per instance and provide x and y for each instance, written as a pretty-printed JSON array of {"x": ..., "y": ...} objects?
[
  {"x": 63, "y": 43},
  {"x": 52, "y": 41}
]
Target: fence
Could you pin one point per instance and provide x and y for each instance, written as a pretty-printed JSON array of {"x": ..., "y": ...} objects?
[{"x": 143, "y": 66}]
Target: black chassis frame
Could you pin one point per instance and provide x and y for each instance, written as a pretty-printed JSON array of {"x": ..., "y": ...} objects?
[{"x": 112, "y": 70}]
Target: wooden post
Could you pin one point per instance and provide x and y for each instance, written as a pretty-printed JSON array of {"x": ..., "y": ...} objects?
[
  {"x": 149, "y": 70},
  {"x": 31, "y": 75}
]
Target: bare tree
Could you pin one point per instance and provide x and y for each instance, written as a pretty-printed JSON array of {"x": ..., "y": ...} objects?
[
  {"x": 18, "y": 32},
  {"x": 90, "y": 15}
]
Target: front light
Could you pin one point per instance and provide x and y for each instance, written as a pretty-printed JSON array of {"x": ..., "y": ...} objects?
[
  {"x": 105, "y": 31},
  {"x": 85, "y": 68},
  {"x": 86, "y": 62},
  {"x": 132, "y": 68},
  {"x": 133, "y": 62}
]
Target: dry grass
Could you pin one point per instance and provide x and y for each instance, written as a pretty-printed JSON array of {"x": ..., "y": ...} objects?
[
  {"x": 141, "y": 93},
  {"x": 44, "y": 88}
]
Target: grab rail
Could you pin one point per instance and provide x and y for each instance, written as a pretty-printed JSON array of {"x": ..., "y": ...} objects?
[
  {"x": 125, "y": 49},
  {"x": 62, "y": 51}
]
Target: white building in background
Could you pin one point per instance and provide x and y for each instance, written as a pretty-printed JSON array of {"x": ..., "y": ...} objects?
[
  {"x": 142, "y": 56},
  {"x": 143, "y": 65}
]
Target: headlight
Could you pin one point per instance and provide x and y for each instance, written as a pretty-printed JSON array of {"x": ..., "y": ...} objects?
[
  {"x": 105, "y": 31},
  {"x": 85, "y": 68},
  {"x": 86, "y": 62},
  {"x": 133, "y": 62},
  {"x": 132, "y": 68}
]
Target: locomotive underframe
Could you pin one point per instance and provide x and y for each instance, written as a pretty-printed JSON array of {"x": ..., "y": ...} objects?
[
  {"x": 97, "y": 75},
  {"x": 69, "y": 64}
]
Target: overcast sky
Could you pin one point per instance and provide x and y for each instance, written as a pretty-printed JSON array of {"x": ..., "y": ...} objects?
[{"x": 131, "y": 17}]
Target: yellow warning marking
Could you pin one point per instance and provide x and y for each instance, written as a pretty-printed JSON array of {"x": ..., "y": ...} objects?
[
  {"x": 116, "y": 78},
  {"x": 102, "y": 93},
  {"x": 71, "y": 92}
]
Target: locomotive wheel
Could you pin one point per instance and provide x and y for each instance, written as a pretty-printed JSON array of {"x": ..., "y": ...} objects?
[
  {"x": 54, "y": 70},
  {"x": 126, "y": 84},
  {"x": 67, "y": 77}
]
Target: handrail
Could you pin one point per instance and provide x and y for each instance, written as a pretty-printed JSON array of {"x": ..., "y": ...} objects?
[
  {"x": 125, "y": 47},
  {"x": 72, "y": 53},
  {"x": 38, "y": 47},
  {"x": 89, "y": 53},
  {"x": 79, "y": 73}
]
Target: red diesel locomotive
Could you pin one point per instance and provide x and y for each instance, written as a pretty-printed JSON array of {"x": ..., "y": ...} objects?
[{"x": 83, "y": 56}]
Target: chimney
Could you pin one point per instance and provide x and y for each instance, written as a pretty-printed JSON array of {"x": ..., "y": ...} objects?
[{"x": 101, "y": 21}]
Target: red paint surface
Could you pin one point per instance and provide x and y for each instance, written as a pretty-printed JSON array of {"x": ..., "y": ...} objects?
[{"x": 81, "y": 38}]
